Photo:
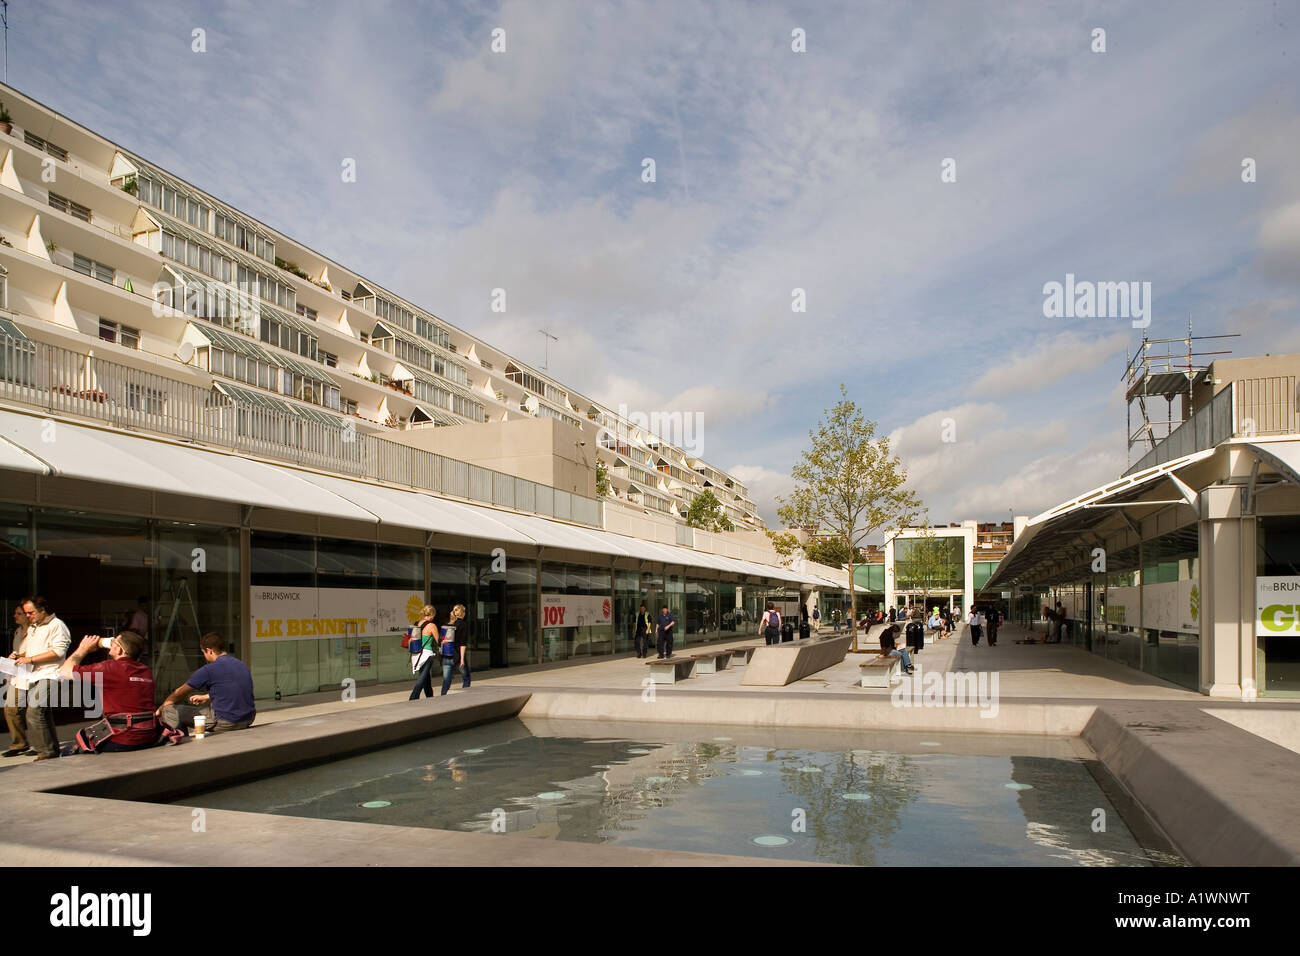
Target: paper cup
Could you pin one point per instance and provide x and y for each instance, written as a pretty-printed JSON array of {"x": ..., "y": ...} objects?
[{"x": 200, "y": 726}]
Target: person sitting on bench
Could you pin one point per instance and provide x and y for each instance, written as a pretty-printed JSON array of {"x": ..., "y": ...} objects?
[{"x": 888, "y": 640}]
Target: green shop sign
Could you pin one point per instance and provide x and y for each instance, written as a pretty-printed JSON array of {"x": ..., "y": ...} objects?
[{"x": 1277, "y": 606}]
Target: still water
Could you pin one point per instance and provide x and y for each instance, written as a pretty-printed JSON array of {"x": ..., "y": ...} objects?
[{"x": 869, "y": 799}]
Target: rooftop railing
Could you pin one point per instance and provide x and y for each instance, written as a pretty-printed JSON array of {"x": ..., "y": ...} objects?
[
  {"x": 60, "y": 380},
  {"x": 1211, "y": 424}
]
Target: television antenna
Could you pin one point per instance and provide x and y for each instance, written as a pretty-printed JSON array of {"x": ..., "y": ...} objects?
[
  {"x": 549, "y": 338},
  {"x": 4, "y": 19}
]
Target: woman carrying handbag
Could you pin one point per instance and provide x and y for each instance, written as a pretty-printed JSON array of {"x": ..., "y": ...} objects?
[{"x": 422, "y": 660}]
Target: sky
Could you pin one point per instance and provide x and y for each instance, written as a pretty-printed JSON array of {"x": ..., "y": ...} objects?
[{"x": 919, "y": 170}]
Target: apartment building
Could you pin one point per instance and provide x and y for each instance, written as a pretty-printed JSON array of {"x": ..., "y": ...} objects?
[{"x": 198, "y": 410}]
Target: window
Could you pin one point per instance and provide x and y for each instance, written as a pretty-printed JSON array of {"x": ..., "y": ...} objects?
[
  {"x": 327, "y": 358},
  {"x": 63, "y": 204},
  {"x": 121, "y": 334},
  {"x": 89, "y": 267},
  {"x": 307, "y": 313},
  {"x": 58, "y": 152},
  {"x": 151, "y": 401}
]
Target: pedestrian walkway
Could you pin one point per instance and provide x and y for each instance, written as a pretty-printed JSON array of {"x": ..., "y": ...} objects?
[{"x": 1029, "y": 671}]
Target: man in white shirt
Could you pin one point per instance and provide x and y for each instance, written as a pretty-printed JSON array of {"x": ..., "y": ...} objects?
[{"x": 45, "y": 646}]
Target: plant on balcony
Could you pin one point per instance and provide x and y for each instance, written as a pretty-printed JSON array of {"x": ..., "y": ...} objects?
[
  {"x": 602, "y": 480},
  {"x": 131, "y": 185},
  {"x": 5, "y": 123},
  {"x": 291, "y": 267}
]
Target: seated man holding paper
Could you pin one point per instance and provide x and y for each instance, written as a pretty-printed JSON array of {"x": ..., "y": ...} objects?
[{"x": 228, "y": 705}]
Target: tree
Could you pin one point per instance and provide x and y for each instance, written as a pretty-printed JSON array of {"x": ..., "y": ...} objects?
[
  {"x": 785, "y": 544},
  {"x": 706, "y": 513},
  {"x": 602, "y": 480},
  {"x": 833, "y": 552},
  {"x": 850, "y": 484}
]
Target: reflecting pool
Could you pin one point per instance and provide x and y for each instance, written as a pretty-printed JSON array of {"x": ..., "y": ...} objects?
[{"x": 868, "y": 799}]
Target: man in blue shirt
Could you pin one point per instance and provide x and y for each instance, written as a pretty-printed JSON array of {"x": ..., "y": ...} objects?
[
  {"x": 228, "y": 705},
  {"x": 666, "y": 622}
]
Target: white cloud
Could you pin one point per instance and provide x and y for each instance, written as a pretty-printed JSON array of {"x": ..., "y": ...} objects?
[{"x": 1054, "y": 361}]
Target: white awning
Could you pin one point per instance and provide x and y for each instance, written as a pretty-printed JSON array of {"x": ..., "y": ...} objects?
[
  {"x": 413, "y": 509},
  {"x": 15, "y": 459},
  {"x": 96, "y": 454}
]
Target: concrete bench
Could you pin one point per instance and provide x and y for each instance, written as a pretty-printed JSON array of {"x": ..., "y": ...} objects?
[
  {"x": 671, "y": 669},
  {"x": 780, "y": 664},
  {"x": 881, "y": 671},
  {"x": 741, "y": 655},
  {"x": 710, "y": 662}
]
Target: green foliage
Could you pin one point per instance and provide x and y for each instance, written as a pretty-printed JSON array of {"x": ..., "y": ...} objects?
[
  {"x": 706, "y": 513},
  {"x": 832, "y": 552},
  {"x": 849, "y": 483},
  {"x": 785, "y": 543},
  {"x": 602, "y": 480}
]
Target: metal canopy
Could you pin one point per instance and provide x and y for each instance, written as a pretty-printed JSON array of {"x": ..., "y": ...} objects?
[{"x": 1040, "y": 543}]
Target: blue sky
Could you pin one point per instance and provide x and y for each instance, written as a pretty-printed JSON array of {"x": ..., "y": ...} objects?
[{"x": 775, "y": 170}]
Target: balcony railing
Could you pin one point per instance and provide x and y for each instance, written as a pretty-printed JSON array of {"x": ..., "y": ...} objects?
[
  {"x": 1212, "y": 423},
  {"x": 59, "y": 380}
]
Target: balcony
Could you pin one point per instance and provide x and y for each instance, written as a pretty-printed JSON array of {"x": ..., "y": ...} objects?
[{"x": 77, "y": 385}]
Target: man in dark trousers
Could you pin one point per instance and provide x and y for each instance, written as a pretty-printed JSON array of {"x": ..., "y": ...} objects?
[
  {"x": 991, "y": 621},
  {"x": 641, "y": 633},
  {"x": 666, "y": 622}
]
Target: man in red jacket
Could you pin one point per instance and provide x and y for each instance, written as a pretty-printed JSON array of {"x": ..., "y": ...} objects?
[{"x": 127, "y": 694}]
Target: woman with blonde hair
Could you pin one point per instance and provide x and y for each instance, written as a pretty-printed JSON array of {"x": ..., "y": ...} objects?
[
  {"x": 422, "y": 661},
  {"x": 453, "y": 647}
]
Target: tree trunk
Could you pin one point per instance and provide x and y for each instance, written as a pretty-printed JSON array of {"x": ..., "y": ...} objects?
[{"x": 853, "y": 603}]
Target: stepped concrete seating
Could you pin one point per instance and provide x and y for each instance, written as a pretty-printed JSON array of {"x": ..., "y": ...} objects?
[
  {"x": 781, "y": 664},
  {"x": 671, "y": 669}
]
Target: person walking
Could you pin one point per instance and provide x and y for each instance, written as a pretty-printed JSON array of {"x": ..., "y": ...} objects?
[
  {"x": 816, "y": 619},
  {"x": 15, "y": 716},
  {"x": 770, "y": 627},
  {"x": 893, "y": 614},
  {"x": 45, "y": 645},
  {"x": 452, "y": 648},
  {"x": 641, "y": 633},
  {"x": 666, "y": 624},
  {"x": 993, "y": 619},
  {"x": 426, "y": 637},
  {"x": 976, "y": 622}
]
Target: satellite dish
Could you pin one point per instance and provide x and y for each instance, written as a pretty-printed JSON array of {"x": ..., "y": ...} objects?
[{"x": 185, "y": 352}]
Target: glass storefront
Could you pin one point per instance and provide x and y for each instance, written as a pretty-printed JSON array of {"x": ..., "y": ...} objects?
[
  {"x": 1171, "y": 626},
  {"x": 581, "y": 639},
  {"x": 325, "y": 611},
  {"x": 362, "y": 595},
  {"x": 174, "y": 580}
]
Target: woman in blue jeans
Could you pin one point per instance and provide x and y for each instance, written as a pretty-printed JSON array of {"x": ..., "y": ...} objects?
[
  {"x": 422, "y": 663},
  {"x": 452, "y": 648}
]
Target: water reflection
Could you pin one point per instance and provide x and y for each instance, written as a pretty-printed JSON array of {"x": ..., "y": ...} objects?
[{"x": 899, "y": 802}]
